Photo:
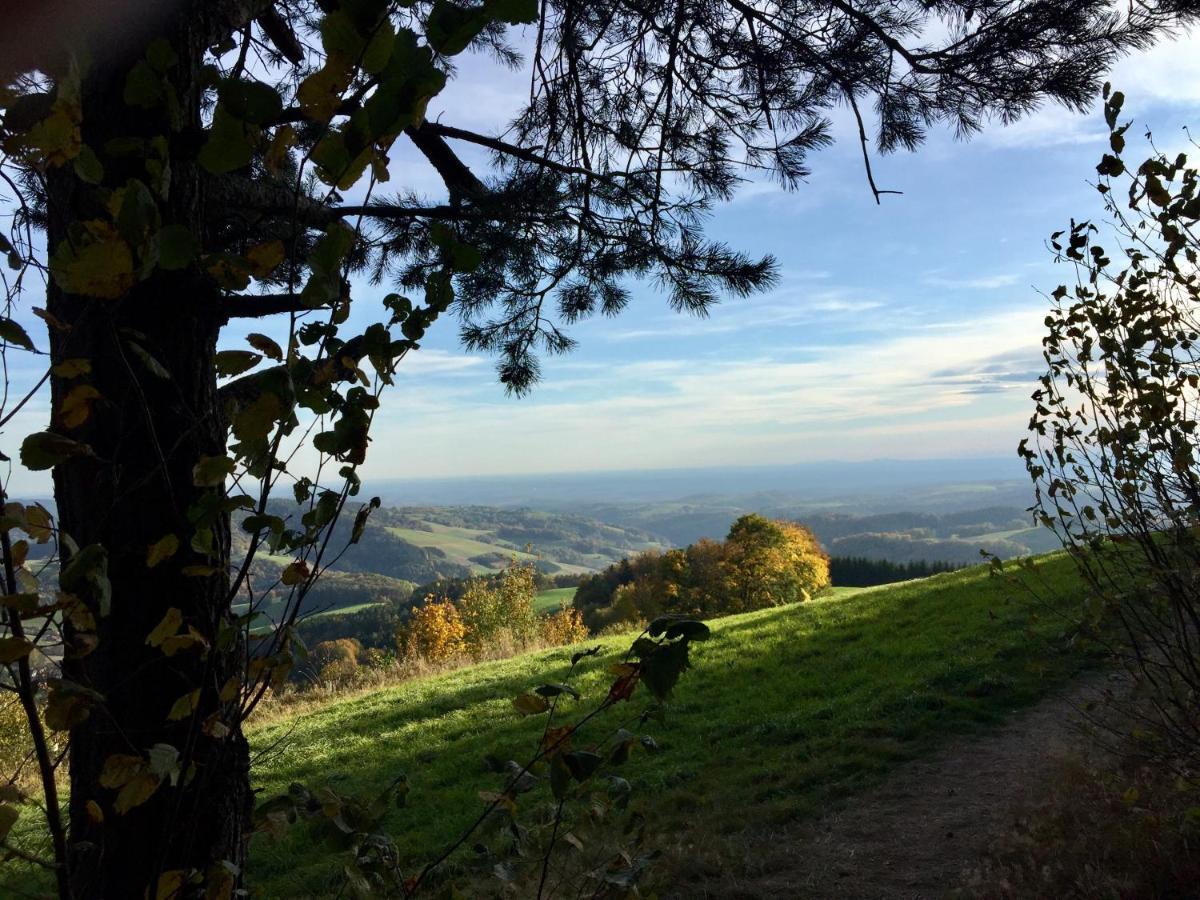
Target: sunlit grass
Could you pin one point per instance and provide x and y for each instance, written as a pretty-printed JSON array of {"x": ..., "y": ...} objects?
[
  {"x": 553, "y": 599},
  {"x": 786, "y": 710}
]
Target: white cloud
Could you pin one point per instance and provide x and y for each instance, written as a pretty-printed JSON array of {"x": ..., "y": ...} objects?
[
  {"x": 1168, "y": 75},
  {"x": 426, "y": 362},
  {"x": 958, "y": 391},
  {"x": 980, "y": 283}
]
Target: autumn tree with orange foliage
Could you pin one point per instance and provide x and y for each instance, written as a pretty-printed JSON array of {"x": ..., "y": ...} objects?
[
  {"x": 763, "y": 562},
  {"x": 769, "y": 562}
]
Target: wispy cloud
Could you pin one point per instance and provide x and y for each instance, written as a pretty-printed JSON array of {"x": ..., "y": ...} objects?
[
  {"x": 966, "y": 386},
  {"x": 976, "y": 283}
]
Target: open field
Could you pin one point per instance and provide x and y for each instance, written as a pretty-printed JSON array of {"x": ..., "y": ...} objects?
[
  {"x": 461, "y": 545},
  {"x": 787, "y": 711},
  {"x": 551, "y": 600}
]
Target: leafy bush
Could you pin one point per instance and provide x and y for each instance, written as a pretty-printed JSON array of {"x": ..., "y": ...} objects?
[
  {"x": 1113, "y": 447},
  {"x": 563, "y": 627},
  {"x": 434, "y": 632},
  {"x": 499, "y": 610}
]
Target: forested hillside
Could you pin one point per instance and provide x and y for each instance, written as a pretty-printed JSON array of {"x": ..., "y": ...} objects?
[
  {"x": 403, "y": 547},
  {"x": 936, "y": 527}
]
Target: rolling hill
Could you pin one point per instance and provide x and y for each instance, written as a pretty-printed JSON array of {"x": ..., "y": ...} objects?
[
  {"x": 407, "y": 546},
  {"x": 787, "y": 711}
]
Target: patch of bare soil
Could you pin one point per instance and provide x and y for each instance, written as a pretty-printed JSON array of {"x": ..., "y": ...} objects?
[{"x": 914, "y": 835}]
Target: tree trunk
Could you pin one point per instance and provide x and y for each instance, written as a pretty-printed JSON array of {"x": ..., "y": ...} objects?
[{"x": 147, "y": 433}]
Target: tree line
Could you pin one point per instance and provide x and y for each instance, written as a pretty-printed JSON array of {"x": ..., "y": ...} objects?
[{"x": 863, "y": 571}]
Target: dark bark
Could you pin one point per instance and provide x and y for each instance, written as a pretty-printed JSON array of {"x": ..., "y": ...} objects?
[{"x": 147, "y": 433}]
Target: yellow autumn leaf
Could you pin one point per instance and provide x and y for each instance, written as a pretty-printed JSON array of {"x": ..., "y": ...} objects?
[
  {"x": 170, "y": 885},
  {"x": 13, "y": 649},
  {"x": 77, "y": 405},
  {"x": 56, "y": 139},
  {"x": 168, "y": 626},
  {"x": 139, "y": 789},
  {"x": 175, "y": 643},
  {"x": 72, "y": 368},
  {"x": 164, "y": 548},
  {"x": 198, "y": 571},
  {"x": 265, "y": 258},
  {"x": 101, "y": 266},
  {"x": 320, "y": 93},
  {"x": 184, "y": 706},
  {"x": 231, "y": 689},
  {"x": 119, "y": 769},
  {"x": 277, "y": 152}
]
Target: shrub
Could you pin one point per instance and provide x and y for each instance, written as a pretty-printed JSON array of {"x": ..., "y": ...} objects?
[
  {"x": 564, "y": 627},
  {"x": 1113, "y": 450},
  {"x": 434, "y": 632},
  {"x": 499, "y": 611}
]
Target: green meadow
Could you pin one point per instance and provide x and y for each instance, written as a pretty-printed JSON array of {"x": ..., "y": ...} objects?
[
  {"x": 551, "y": 600},
  {"x": 785, "y": 712}
]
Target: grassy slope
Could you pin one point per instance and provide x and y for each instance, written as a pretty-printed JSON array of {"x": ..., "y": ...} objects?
[
  {"x": 786, "y": 709},
  {"x": 461, "y": 544},
  {"x": 551, "y": 600}
]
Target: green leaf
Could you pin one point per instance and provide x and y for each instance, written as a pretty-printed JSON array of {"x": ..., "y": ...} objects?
[
  {"x": 554, "y": 690},
  {"x": 177, "y": 247},
  {"x": 161, "y": 55},
  {"x": 87, "y": 166},
  {"x": 450, "y": 28},
  {"x": 227, "y": 147},
  {"x": 87, "y": 572},
  {"x": 211, "y": 471},
  {"x": 251, "y": 101},
  {"x": 582, "y": 763},
  {"x": 340, "y": 38},
  {"x": 379, "y": 49},
  {"x": 14, "y": 334},
  {"x": 44, "y": 450},
  {"x": 515, "y": 12},
  {"x": 143, "y": 86},
  {"x": 235, "y": 362}
]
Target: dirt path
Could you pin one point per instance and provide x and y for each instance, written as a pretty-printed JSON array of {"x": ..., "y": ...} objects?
[{"x": 912, "y": 836}]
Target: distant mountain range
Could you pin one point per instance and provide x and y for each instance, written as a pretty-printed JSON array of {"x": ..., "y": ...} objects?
[{"x": 817, "y": 482}]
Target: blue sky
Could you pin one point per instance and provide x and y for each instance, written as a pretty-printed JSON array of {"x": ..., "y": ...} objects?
[
  {"x": 909, "y": 329},
  {"x": 906, "y": 330}
]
